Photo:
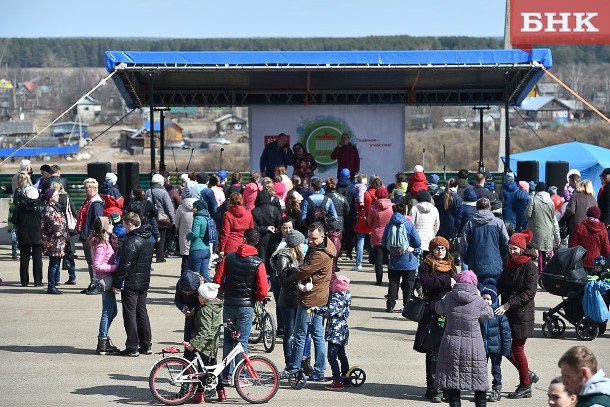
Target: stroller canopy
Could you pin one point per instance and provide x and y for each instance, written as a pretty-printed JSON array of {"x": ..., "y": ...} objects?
[{"x": 567, "y": 263}]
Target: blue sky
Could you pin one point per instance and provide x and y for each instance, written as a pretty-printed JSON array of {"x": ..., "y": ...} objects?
[{"x": 258, "y": 18}]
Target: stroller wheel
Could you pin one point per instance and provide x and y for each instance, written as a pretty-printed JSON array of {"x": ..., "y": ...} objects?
[
  {"x": 586, "y": 329},
  {"x": 553, "y": 327}
]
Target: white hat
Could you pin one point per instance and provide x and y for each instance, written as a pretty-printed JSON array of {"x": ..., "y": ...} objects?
[
  {"x": 418, "y": 168},
  {"x": 111, "y": 177},
  {"x": 184, "y": 177},
  {"x": 572, "y": 172},
  {"x": 24, "y": 164},
  {"x": 208, "y": 290},
  {"x": 158, "y": 179},
  {"x": 31, "y": 192}
]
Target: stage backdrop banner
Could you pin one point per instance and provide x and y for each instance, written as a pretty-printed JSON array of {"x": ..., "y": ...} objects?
[{"x": 377, "y": 131}]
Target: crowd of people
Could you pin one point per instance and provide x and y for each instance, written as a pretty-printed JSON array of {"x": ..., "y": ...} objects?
[{"x": 472, "y": 250}]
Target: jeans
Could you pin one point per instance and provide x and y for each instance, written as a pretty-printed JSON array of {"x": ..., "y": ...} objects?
[
  {"x": 359, "y": 248},
  {"x": 289, "y": 316},
  {"x": 496, "y": 368},
  {"x": 199, "y": 262},
  {"x": 109, "y": 312},
  {"x": 241, "y": 317},
  {"x": 135, "y": 319},
  {"x": 35, "y": 251},
  {"x": 519, "y": 360},
  {"x": 317, "y": 337},
  {"x": 406, "y": 285},
  {"x": 53, "y": 271},
  {"x": 336, "y": 351}
]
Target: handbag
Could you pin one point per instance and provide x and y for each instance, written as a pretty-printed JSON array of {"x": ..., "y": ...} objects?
[
  {"x": 70, "y": 217},
  {"x": 162, "y": 219},
  {"x": 433, "y": 334},
  {"x": 414, "y": 308}
]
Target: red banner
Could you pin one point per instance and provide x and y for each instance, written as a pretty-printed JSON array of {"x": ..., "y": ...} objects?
[{"x": 559, "y": 22}]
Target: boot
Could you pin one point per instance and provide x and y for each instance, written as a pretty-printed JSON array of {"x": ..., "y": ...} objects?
[
  {"x": 110, "y": 348},
  {"x": 102, "y": 346},
  {"x": 198, "y": 397},
  {"x": 222, "y": 395},
  {"x": 496, "y": 394},
  {"x": 521, "y": 392}
]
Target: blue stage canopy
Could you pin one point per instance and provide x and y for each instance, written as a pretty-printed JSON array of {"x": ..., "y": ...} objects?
[{"x": 326, "y": 77}]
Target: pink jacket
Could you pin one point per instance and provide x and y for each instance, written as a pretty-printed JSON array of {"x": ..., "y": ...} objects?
[
  {"x": 250, "y": 191},
  {"x": 104, "y": 259},
  {"x": 379, "y": 216}
]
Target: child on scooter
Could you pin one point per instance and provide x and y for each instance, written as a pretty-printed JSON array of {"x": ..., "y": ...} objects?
[{"x": 337, "y": 331}]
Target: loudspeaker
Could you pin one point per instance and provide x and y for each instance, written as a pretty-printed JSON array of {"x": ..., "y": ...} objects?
[
  {"x": 128, "y": 174},
  {"x": 98, "y": 171},
  {"x": 528, "y": 171},
  {"x": 556, "y": 172}
]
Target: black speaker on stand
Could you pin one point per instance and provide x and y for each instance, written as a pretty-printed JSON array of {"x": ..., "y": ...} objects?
[
  {"x": 128, "y": 174},
  {"x": 556, "y": 173},
  {"x": 98, "y": 171},
  {"x": 528, "y": 171}
]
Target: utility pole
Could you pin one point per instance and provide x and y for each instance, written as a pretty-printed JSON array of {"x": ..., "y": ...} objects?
[{"x": 503, "y": 113}]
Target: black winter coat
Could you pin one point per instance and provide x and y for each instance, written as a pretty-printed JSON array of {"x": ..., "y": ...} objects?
[
  {"x": 27, "y": 218},
  {"x": 341, "y": 207},
  {"x": 135, "y": 261},
  {"x": 518, "y": 288},
  {"x": 603, "y": 202},
  {"x": 264, "y": 214}
]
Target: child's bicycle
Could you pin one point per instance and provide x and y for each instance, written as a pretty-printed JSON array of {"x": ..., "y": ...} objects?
[
  {"x": 263, "y": 326},
  {"x": 298, "y": 378},
  {"x": 173, "y": 379}
]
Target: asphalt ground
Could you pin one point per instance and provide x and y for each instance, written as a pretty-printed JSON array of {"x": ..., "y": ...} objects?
[{"x": 47, "y": 347}]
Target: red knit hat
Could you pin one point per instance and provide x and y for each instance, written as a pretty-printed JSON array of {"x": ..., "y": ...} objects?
[
  {"x": 593, "y": 212},
  {"x": 520, "y": 239}
]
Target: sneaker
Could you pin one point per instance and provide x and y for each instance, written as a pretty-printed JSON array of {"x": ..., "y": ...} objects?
[
  {"x": 284, "y": 374},
  {"x": 53, "y": 291},
  {"x": 226, "y": 381},
  {"x": 389, "y": 309},
  {"x": 128, "y": 352},
  {"x": 317, "y": 377},
  {"x": 357, "y": 268},
  {"x": 93, "y": 290},
  {"x": 495, "y": 395},
  {"x": 347, "y": 383},
  {"x": 15, "y": 256},
  {"x": 243, "y": 382},
  {"x": 335, "y": 385},
  {"x": 70, "y": 282},
  {"x": 146, "y": 350},
  {"x": 437, "y": 398}
]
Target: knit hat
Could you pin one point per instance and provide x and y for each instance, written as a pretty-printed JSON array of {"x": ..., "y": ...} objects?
[
  {"x": 31, "y": 192},
  {"x": 200, "y": 205},
  {"x": 189, "y": 281},
  {"x": 606, "y": 171},
  {"x": 520, "y": 239},
  {"x": 208, "y": 290},
  {"x": 114, "y": 218},
  {"x": 468, "y": 277},
  {"x": 532, "y": 185},
  {"x": 345, "y": 173},
  {"x": 496, "y": 206},
  {"x": 423, "y": 196},
  {"x": 433, "y": 179},
  {"x": 540, "y": 187},
  {"x": 572, "y": 172},
  {"x": 489, "y": 288},
  {"x": 23, "y": 164},
  {"x": 509, "y": 177},
  {"x": 46, "y": 196},
  {"x": 552, "y": 190},
  {"x": 470, "y": 195},
  {"x": 45, "y": 168},
  {"x": 398, "y": 195},
  {"x": 203, "y": 178},
  {"x": 438, "y": 241},
  {"x": 112, "y": 178},
  {"x": 339, "y": 283},
  {"x": 381, "y": 193},
  {"x": 294, "y": 238},
  {"x": 418, "y": 168},
  {"x": 222, "y": 174},
  {"x": 157, "y": 179},
  {"x": 593, "y": 212},
  {"x": 524, "y": 186}
]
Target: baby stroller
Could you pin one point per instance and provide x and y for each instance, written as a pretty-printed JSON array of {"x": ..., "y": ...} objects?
[{"x": 565, "y": 276}]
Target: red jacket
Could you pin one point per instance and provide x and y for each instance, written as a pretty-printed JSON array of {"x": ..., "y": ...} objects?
[
  {"x": 236, "y": 220},
  {"x": 417, "y": 182},
  {"x": 261, "y": 286},
  {"x": 363, "y": 210},
  {"x": 379, "y": 216},
  {"x": 592, "y": 235},
  {"x": 347, "y": 157}
]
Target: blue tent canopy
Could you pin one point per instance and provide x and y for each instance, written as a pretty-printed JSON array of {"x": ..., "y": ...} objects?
[
  {"x": 463, "y": 77},
  {"x": 589, "y": 159}
]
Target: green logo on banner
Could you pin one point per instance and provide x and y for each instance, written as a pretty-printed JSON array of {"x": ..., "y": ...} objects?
[{"x": 320, "y": 137}]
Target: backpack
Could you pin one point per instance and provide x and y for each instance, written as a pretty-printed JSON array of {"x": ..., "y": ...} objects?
[
  {"x": 397, "y": 242},
  {"x": 211, "y": 234},
  {"x": 318, "y": 210}
]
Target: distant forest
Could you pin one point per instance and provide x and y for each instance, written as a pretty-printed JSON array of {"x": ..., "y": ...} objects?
[{"x": 89, "y": 52}]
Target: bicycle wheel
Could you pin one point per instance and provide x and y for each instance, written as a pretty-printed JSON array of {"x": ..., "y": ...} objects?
[
  {"x": 258, "y": 381},
  {"x": 269, "y": 333},
  {"x": 162, "y": 381},
  {"x": 256, "y": 334}
]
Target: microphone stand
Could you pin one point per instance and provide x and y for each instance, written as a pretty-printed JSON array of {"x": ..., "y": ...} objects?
[
  {"x": 175, "y": 164},
  {"x": 190, "y": 158},
  {"x": 221, "y": 151}
]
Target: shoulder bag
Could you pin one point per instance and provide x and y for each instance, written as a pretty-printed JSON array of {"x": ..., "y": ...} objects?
[
  {"x": 414, "y": 308},
  {"x": 433, "y": 334}
]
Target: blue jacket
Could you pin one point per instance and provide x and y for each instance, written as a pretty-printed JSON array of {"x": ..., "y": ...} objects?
[
  {"x": 336, "y": 311},
  {"x": 496, "y": 335},
  {"x": 448, "y": 217},
  {"x": 409, "y": 260},
  {"x": 317, "y": 198},
  {"x": 522, "y": 198},
  {"x": 484, "y": 244},
  {"x": 509, "y": 192}
]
